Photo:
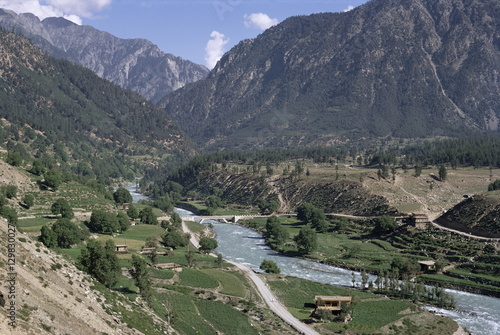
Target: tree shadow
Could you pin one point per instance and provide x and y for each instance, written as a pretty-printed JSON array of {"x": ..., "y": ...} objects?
[
  {"x": 41, "y": 185},
  {"x": 23, "y": 205},
  {"x": 124, "y": 290},
  {"x": 293, "y": 253}
]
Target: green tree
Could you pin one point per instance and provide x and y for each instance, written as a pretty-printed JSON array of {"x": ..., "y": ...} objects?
[
  {"x": 269, "y": 266},
  {"x": 494, "y": 185},
  {"x": 174, "y": 239},
  {"x": 14, "y": 158},
  {"x": 190, "y": 258},
  {"x": 418, "y": 170},
  {"x": 67, "y": 233},
  {"x": 318, "y": 221},
  {"x": 176, "y": 220},
  {"x": 53, "y": 179},
  {"x": 3, "y": 200},
  {"x": 48, "y": 237},
  {"x": 9, "y": 214},
  {"x": 122, "y": 196},
  {"x": 310, "y": 214},
  {"x": 104, "y": 222},
  {"x": 364, "y": 279},
  {"x": 276, "y": 231},
  {"x": 123, "y": 221},
  {"x": 306, "y": 240},
  {"x": 267, "y": 207},
  {"x": 132, "y": 212},
  {"x": 213, "y": 202},
  {"x": 443, "y": 173},
  {"x": 100, "y": 261},
  {"x": 305, "y": 212},
  {"x": 164, "y": 203},
  {"x": 29, "y": 200},
  {"x": 207, "y": 245},
  {"x": 220, "y": 260},
  {"x": 147, "y": 216},
  {"x": 140, "y": 274},
  {"x": 384, "y": 225},
  {"x": 61, "y": 206},
  {"x": 10, "y": 191}
]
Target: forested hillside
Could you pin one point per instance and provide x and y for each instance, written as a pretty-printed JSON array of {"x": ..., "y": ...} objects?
[{"x": 50, "y": 106}]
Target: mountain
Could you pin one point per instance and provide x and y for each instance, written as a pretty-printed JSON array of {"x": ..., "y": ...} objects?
[
  {"x": 400, "y": 68},
  {"x": 135, "y": 64},
  {"x": 54, "y": 107}
]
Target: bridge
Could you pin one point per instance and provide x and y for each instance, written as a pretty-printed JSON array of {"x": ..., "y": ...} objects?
[{"x": 226, "y": 218}]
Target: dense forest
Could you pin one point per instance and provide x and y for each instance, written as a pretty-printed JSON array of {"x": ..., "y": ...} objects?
[{"x": 51, "y": 109}]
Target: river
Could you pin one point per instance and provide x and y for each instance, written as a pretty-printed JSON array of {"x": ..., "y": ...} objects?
[{"x": 247, "y": 247}]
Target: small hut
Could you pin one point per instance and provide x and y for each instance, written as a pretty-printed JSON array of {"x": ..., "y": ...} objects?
[
  {"x": 146, "y": 251},
  {"x": 121, "y": 249},
  {"x": 168, "y": 266},
  {"x": 427, "y": 266},
  {"x": 331, "y": 303}
]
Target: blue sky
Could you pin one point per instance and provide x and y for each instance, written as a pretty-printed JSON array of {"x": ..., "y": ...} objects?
[{"x": 196, "y": 30}]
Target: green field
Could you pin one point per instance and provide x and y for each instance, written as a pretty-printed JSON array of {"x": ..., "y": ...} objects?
[
  {"x": 370, "y": 312},
  {"x": 231, "y": 283}
]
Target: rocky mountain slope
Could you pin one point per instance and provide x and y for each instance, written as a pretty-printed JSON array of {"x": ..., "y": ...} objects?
[
  {"x": 51, "y": 296},
  {"x": 134, "y": 64},
  {"x": 388, "y": 68}
]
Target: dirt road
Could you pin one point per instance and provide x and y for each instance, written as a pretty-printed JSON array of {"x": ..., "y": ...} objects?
[{"x": 264, "y": 291}]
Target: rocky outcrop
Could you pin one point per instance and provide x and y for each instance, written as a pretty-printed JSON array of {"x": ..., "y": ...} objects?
[{"x": 135, "y": 64}]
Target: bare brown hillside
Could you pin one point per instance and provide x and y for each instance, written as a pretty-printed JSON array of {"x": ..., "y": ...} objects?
[
  {"x": 51, "y": 295},
  {"x": 9, "y": 175}
]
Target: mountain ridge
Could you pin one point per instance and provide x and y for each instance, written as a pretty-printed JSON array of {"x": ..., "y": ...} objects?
[
  {"x": 387, "y": 68},
  {"x": 135, "y": 64}
]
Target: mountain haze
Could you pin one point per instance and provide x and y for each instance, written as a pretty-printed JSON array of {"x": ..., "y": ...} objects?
[
  {"x": 134, "y": 64},
  {"x": 399, "y": 68}
]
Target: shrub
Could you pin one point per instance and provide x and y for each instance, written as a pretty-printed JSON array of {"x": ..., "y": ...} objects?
[{"x": 269, "y": 266}]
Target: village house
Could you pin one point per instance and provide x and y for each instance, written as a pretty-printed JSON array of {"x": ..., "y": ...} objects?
[
  {"x": 331, "y": 303},
  {"x": 419, "y": 221},
  {"x": 427, "y": 266},
  {"x": 121, "y": 249}
]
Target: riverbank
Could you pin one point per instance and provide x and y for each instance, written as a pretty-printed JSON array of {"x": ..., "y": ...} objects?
[
  {"x": 241, "y": 245},
  {"x": 355, "y": 248},
  {"x": 266, "y": 294}
]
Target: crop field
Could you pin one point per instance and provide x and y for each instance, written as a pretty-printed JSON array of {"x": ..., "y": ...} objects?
[
  {"x": 231, "y": 283},
  {"x": 370, "y": 312},
  {"x": 196, "y": 278},
  {"x": 225, "y": 319}
]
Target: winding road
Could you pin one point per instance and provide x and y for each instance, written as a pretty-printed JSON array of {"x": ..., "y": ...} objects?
[{"x": 264, "y": 291}]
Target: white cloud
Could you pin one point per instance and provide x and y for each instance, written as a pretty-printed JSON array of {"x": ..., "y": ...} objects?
[
  {"x": 349, "y": 8},
  {"x": 259, "y": 21},
  {"x": 215, "y": 48},
  {"x": 72, "y": 10}
]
